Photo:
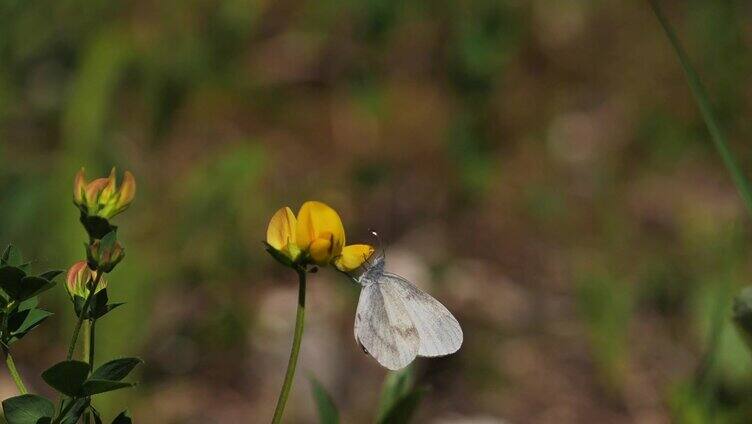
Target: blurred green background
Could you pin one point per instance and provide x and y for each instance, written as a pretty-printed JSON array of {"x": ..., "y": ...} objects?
[{"x": 539, "y": 166}]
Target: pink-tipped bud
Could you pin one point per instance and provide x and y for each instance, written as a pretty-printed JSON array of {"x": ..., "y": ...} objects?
[
  {"x": 80, "y": 278},
  {"x": 104, "y": 259}
]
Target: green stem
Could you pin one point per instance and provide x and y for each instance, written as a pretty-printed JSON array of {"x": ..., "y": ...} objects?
[
  {"x": 14, "y": 372},
  {"x": 88, "y": 354},
  {"x": 92, "y": 338},
  {"x": 297, "y": 338},
  {"x": 9, "y": 362},
  {"x": 77, "y": 329},
  {"x": 64, "y": 411},
  {"x": 703, "y": 101},
  {"x": 81, "y": 317}
]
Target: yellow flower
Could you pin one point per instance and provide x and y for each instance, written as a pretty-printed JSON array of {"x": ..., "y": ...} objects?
[
  {"x": 78, "y": 278},
  {"x": 316, "y": 236},
  {"x": 101, "y": 197}
]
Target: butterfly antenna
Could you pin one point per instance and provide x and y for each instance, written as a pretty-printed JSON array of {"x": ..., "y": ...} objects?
[{"x": 379, "y": 246}]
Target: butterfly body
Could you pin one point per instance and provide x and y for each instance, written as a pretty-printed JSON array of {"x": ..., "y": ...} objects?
[{"x": 396, "y": 321}]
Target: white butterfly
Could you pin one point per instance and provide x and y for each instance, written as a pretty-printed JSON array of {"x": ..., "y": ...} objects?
[{"x": 396, "y": 321}]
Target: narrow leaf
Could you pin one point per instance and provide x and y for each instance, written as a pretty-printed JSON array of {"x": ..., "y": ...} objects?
[
  {"x": 396, "y": 385},
  {"x": 703, "y": 102},
  {"x": 327, "y": 410},
  {"x": 405, "y": 407}
]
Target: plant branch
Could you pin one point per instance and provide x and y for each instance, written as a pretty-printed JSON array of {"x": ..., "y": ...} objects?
[{"x": 82, "y": 315}]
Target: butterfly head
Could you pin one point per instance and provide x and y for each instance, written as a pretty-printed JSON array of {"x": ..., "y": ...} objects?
[{"x": 373, "y": 267}]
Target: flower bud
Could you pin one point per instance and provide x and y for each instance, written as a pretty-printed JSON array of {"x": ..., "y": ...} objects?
[
  {"x": 101, "y": 197},
  {"x": 280, "y": 234},
  {"x": 104, "y": 258},
  {"x": 80, "y": 278}
]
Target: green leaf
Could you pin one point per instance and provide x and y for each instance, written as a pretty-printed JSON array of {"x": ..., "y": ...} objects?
[
  {"x": 78, "y": 304},
  {"x": 396, "y": 385},
  {"x": 10, "y": 280},
  {"x": 93, "y": 387},
  {"x": 29, "y": 303},
  {"x": 104, "y": 310},
  {"x": 99, "y": 306},
  {"x": 11, "y": 256},
  {"x": 107, "y": 242},
  {"x": 74, "y": 413},
  {"x": 97, "y": 227},
  {"x": 116, "y": 369},
  {"x": 51, "y": 275},
  {"x": 28, "y": 409},
  {"x": 123, "y": 418},
  {"x": 23, "y": 321},
  {"x": 405, "y": 407},
  {"x": 67, "y": 377},
  {"x": 20, "y": 287},
  {"x": 328, "y": 413},
  {"x": 276, "y": 254},
  {"x": 32, "y": 286}
]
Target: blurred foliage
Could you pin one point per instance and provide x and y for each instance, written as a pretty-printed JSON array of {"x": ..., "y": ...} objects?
[{"x": 546, "y": 156}]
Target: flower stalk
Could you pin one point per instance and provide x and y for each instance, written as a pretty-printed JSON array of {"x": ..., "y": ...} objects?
[
  {"x": 295, "y": 351},
  {"x": 313, "y": 238}
]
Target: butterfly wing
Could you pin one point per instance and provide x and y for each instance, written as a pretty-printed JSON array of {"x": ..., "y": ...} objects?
[
  {"x": 440, "y": 333},
  {"x": 383, "y": 327}
]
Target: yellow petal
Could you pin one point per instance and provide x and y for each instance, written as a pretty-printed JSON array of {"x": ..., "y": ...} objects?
[
  {"x": 321, "y": 249},
  {"x": 316, "y": 220},
  {"x": 353, "y": 256},
  {"x": 281, "y": 230}
]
